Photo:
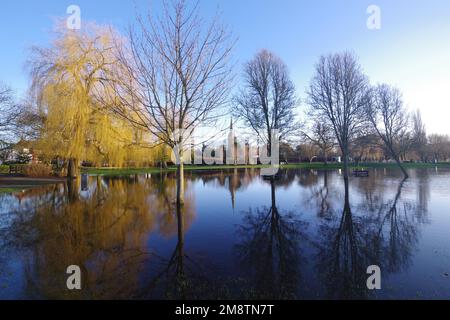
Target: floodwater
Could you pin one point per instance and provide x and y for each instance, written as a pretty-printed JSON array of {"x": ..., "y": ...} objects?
[{"x": 237, "y": 236}]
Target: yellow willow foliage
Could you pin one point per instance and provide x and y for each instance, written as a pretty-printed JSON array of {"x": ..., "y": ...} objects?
[{"x": 66, "y": 79}]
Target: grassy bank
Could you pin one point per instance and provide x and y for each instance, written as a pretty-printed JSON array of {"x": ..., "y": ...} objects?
[
  {"x": 131, "y": 171},
  {"x": 364, "y": 165},
  {"x": 10, "y": 190},
  {"x": 316, "y": 166}
]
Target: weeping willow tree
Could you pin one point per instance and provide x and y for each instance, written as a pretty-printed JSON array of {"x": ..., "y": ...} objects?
[{"x": 65, "y": 81}]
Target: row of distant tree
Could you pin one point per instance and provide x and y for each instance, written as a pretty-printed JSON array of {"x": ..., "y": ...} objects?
[
  {"x": 346, "y": 115},
  {"x": 435, "y": 149},
  {"x": 99, "y": 96},
  {"x": 414, "y": 145}
]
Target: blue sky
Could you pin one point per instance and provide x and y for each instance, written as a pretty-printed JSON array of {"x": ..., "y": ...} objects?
[{"x": 411, "y": 50}]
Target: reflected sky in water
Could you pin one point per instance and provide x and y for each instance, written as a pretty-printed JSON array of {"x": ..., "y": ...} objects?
[{"x": 237, "y": 236}]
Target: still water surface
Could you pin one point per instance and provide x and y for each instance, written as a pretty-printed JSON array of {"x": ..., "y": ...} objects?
[{"x": 237, "y": 236}]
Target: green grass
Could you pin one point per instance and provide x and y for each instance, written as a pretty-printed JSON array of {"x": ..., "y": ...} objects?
[
  {"x": 122, "y": 171},
  {"x": 132, "y": 171},
  {"x": 10, "y": 190},
  {"x": 363, "y": 165},
  {"x": 316, "y": 166},
  {"x": 406, "y": 165},
  {"x": 223, "y": 167}
]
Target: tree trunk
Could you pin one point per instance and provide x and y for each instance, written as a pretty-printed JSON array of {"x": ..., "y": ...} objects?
[
  {"x": 345, "y": 155},
  {"x": 269, "y": 144},
  {"x": 72, "y": 169},
  {"x": 347, "y": 195},
  {"x": 273, "y": 192},
  {"x": 72, "y": 190},
  {"x": 397, "y": 160},
  {"x": 401, "y": 167},
  {"x": 180, "y": 183},
  {"x": 180, "y": 245}
]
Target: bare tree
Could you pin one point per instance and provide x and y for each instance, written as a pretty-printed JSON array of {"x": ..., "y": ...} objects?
[
  {"x": 322, "y": 136},
  {"x": 419, "y": 135},
  {"x": 439, "y": 147},
  {"x": 268, "y": 100},
  {"x": 30, "y": 121},
  {"x": 18, "y": 120},
  {"x": 389, "y": 118},
  {"x": 337, "y": 94},
  {"x": 366, "y": 146},
  {"x": 179, "y": 75},
  {"x": 8, "y": 115}
]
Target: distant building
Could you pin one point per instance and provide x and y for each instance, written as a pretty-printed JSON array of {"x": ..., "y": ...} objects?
[
  {"x": 235, "y": 153},
  {"x": 20, "y": 153}
]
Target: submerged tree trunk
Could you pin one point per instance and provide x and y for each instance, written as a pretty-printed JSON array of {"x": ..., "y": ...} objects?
[
  {"x": 397, "y": 159},
  {"x": 345, "y": 155},
  {"x": 180, "y": 183},
  {"x": 347, "y": 196},
  {"x": 273, "y": 193},
  {"x": 401, "y": 167},
  {"x": 72, "y": 169},
  {"x": 180, "y": 245},
  {"x": 72, "y": 190}
]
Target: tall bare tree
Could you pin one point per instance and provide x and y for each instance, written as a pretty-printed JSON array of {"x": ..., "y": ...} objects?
[
  {"x": 419, "y": 135},
  {"x": 389, "y": 119},
  {"x": 337, "y": 94},
  {"x": 179, "y": 75},
  {"x": 268, "y": 99}
]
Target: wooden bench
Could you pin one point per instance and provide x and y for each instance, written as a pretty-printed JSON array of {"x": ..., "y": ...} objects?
[
  {"x": 14, "y": 169},
  {"x": 361, "y": 173}
]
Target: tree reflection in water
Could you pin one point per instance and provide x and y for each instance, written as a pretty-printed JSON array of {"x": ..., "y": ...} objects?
[
  {"x": 269, "y": 251},
  {"x": 181, "y": 276},
  {"x": 341, "y": 262},
  {"x": 320, "y": 197},
  {"x": 385, "y": 237},
  {"x": 129, "y": 236},
  {"x": 105, "y": 232},
  {"x": 397, "y": 234}
]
